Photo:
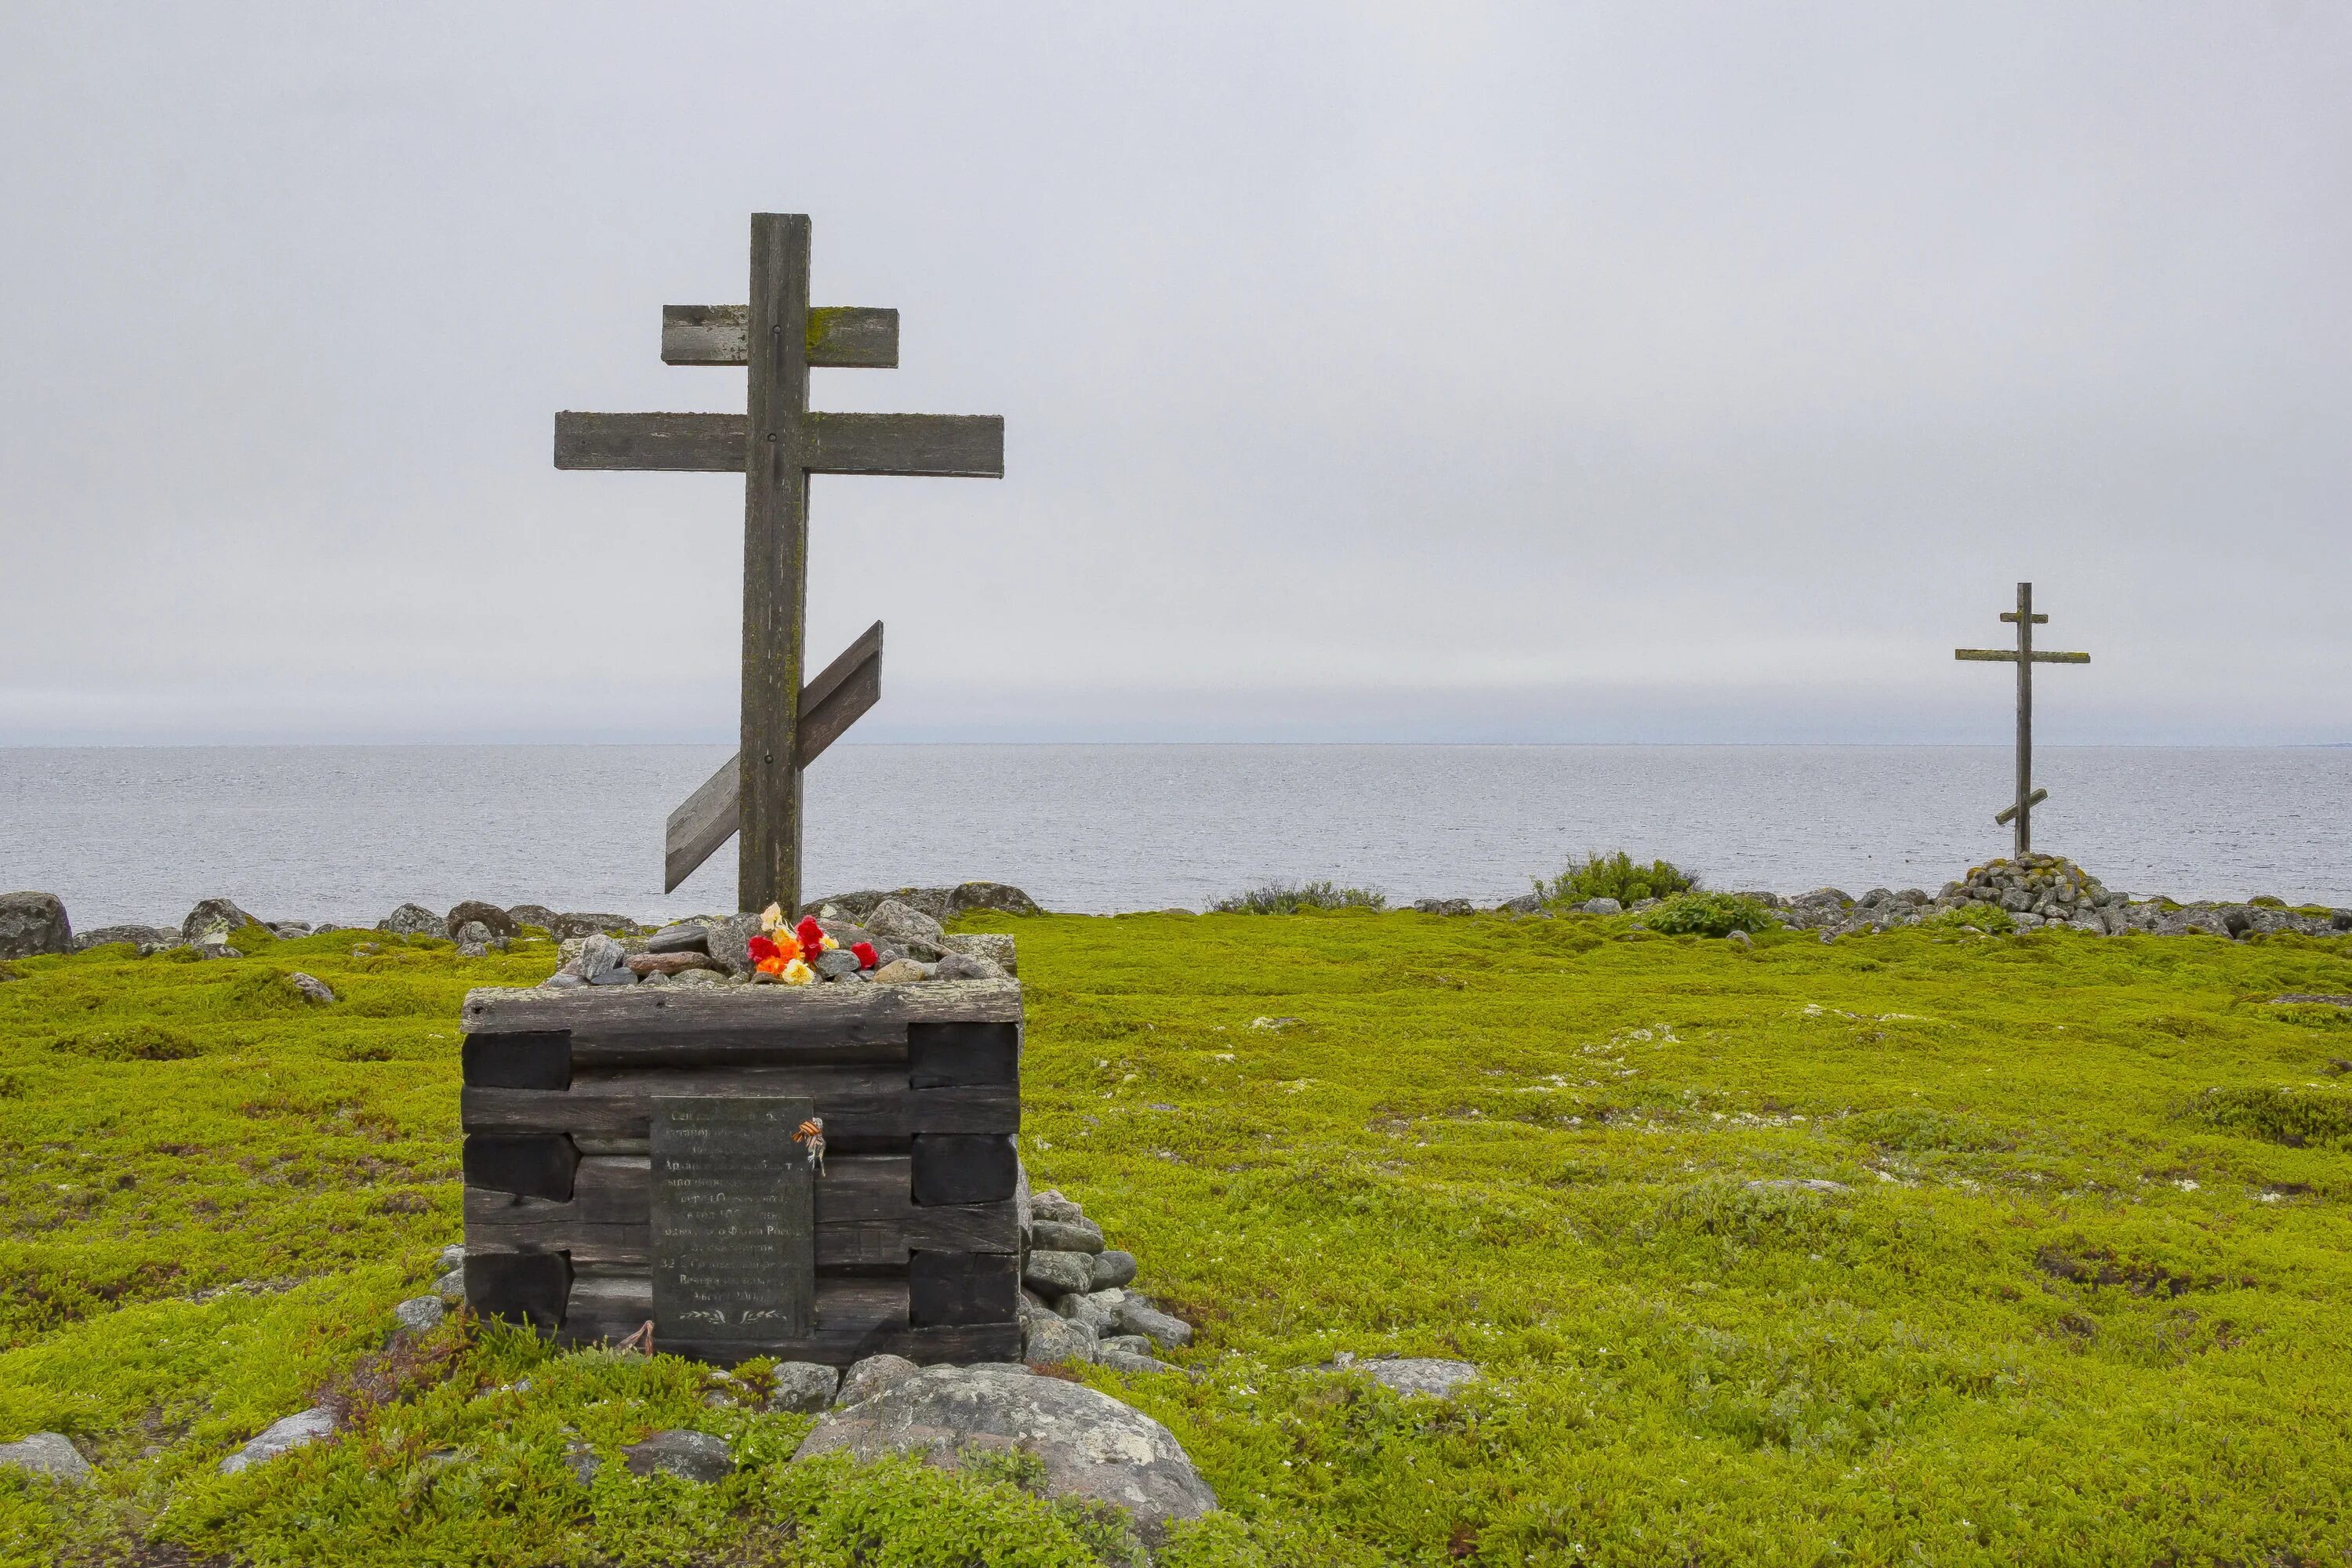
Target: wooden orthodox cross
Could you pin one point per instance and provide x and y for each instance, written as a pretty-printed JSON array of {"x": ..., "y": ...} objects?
[
  {"x": 776, "y": 444},
  {"x": 2025, "y": 657}
]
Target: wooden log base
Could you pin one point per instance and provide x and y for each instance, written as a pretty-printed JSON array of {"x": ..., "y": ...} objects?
[
  {"x": 854, "y": 1319},
  {"x": 958, "y": 1288},
  {"x": 855, "y": 1109},
  {"x": 953, "y": 1168},
  {"x": 952, "y": 1056},
  {"x": 535, "y": 1167},
  {"x": 531, "y": 1059},
  {"x": 529, "y": 1288}
]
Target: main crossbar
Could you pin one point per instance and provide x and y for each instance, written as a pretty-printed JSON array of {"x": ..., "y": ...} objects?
[
  {"x": 954, "y": 446},
  {"x": 2009, "y": 656}
]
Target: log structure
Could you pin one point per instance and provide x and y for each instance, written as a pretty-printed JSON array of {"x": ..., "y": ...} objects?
[{"x": 579, "y": 1217}]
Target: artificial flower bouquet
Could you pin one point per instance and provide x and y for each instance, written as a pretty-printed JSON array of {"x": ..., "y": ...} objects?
[{"x": 782, "y": 954}]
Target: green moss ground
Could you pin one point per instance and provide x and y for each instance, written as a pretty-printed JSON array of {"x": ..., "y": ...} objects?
[{"x": 2086, "y": 1299}]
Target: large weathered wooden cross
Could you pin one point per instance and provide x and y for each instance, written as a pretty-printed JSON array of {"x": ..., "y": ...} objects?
[
  {"x": 2025, "y": 657},
  {"x": 776, "y": 444}
]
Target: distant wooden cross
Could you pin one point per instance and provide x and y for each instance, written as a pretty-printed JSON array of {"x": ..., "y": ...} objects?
[
  {"x": 2025, "y": 657},
  {"x": 776, "y": 444}
]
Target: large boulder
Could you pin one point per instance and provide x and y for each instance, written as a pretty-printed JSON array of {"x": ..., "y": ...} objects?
[
  {"x": 501, "y": 923},
  {"x": 1091, "y": 1445},
  {"x": 50, "y": 1454},
  {"x": 136, "y": 935},
  {"x": 34, "y": 923},
  {"x": 579, "y": 924},
  {"x": 906, "y": 928},
  {"x": 412, "y": 919},
  {"x": 214, "y": 914},
  {"x": 538, "y": 915},
  {"x": 940, "y": 903}
]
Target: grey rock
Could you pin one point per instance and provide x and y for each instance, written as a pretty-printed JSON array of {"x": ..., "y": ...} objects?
[
  {"x": 579, "y": 1458},
  {"x": 1113, "y": 1268},
  {"x": 313, "y": 989},
  {"x": 728, "y": 940},
  {"x": 1133, "y": 1345},
  {"x": 1092, "y": 1444},
  {"x": 995, "y": 947},
  {"x": 538, "y": 915},
  {"x": 962, "y": 966},
  {"x": 296, "y": 1431},
  {"x": 603, "y": 961},
  {"x": 1601, "y": 907},
  {"x": 804, "y": 1386},
  {"x": 496, "y": 920},
  {"x": 419, "y": 1313},
  {"x": 1444, "y": 906},
  {"x": 690, "y": 1456},
  {"x": 561, "y": 981},
  {"x": 1525, "y": 904},
  {"x": 453, "y": 1255},
  {"x": 1425, "y": 1376},
  {"x": 909, "y": 930},
  {"x": 1057, "y": 1273},
  {"x": 1046, "y": 1340},
  {"x": 1052, "y": 1204},
  {"x": 872, "y": 1375},
  {"x": 213, "y": 914},
  {"x": 698, "y": 977},
  {"x": 451, "y": 1286},
  {"x": 838, "y": 964},
  {"x": 412, "y": 919},
  {"x": 1024, "y": 1214},
  {"x": 1133, "y": 1316},
  {"x": 1066, "y": 1235},
  {"x": 473, "y": 940},
  {"x": 1130, "y": 1361},
  {"x": 686, "y": 936},
  {"x": 940, "y": 903},
  {"x": 289, "y": 931},
  {"x": 575, "y": 924},
  {"x": 106, "y": 936},
  {"x": 901, "y": 971},
  {"x": 1740, "y": 939},
  {"x": 1095, "y": 1312},
  {"x": 50, "y": 1454}
]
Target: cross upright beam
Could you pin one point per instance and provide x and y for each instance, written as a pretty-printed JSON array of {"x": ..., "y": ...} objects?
[
  {"x": 776, "y": 444},
  {"x": 2019, "y": 811}
]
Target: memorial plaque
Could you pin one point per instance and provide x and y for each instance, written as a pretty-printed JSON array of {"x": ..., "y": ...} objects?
[{"x": 734, "y": 1219}]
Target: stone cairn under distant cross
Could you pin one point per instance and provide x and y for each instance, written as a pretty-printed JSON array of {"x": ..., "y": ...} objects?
[
  {"x": 2025, "y": 657},
  {"x": 776, "y": 444}
]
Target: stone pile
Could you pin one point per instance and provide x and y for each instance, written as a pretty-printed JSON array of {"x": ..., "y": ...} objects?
[
  {"x": 2045, "y": 891},
  {"x": 1076, "y": 1303},
  {"x": 715, "y": 949}
]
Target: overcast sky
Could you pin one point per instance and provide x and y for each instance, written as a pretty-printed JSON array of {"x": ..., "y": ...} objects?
[{"x": 1551, "y": 372}]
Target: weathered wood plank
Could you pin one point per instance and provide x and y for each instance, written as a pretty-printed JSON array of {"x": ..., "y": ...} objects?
[
  {"x": 775, "y": 565},
  {"x": 494, "y": 1219},
  {"x": 962, "y": 1288},
  {"x": 840, "y": 337},
  {"x": 517, "y": 1061},
  {"x": 942, "y": 1055},
  {"x": 840, "y": 696},
  {"x": 537, "y": 1167},
  {"x": 850, "y": 1313},
  {"x": 849, "y": 1117},
  {"x": 528, "y": 1287},
  {"x": 597, "y": 1015},
  {"x": 651, "y": 443},
  {"x": 958, "y": 1343},
  {"x": 2042, "y": 658},
  {"x": 855, "y": 1192},
  {"x": 946, "y": 446},
  {"x": 955, "y": 1167}
]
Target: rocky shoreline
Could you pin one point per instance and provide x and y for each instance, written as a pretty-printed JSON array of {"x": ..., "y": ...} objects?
[{"x": 2040, "y": 891}]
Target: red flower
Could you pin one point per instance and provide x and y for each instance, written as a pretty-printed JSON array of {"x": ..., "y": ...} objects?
[
  {"x": 867, "y": 957},
  {"x": 760, "y": 947},
  {"x": 811, "y": 936}
]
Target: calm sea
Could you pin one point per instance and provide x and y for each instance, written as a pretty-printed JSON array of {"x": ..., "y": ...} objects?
[{"x": 346, "y": 833}]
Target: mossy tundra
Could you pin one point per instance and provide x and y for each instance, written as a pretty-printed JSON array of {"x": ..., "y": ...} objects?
[{"x": 2078, "y": 1293}]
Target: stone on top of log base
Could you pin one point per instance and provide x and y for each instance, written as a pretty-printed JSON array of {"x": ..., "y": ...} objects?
[{"x": 854, "y": 1195}]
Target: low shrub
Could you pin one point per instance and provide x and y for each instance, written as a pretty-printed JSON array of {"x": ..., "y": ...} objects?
[
  {"x": 1977, "y": 917},
  {"x": 1710, "y": 914},
  {"x": 1616, "y": 876},
  {"x": 132, "y": 1043},
  {"x": 2296, "y": 1117},
  {"x": 1289, "y": 898}
]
